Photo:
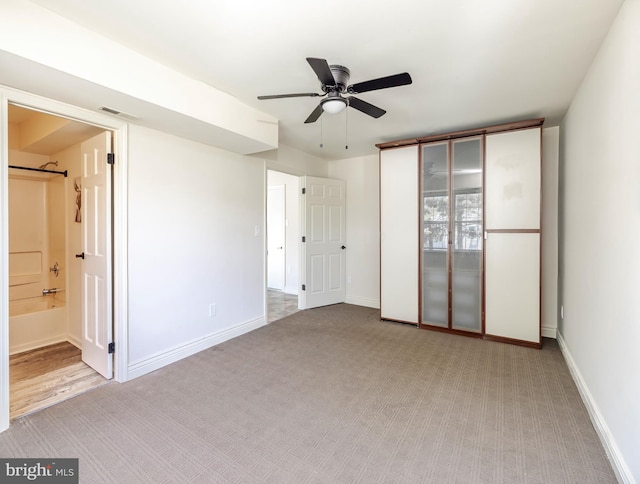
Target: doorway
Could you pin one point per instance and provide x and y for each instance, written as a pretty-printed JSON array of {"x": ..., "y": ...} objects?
[
  {"x": 282, "y": 244},
  {"x": 53, "y": 215}
]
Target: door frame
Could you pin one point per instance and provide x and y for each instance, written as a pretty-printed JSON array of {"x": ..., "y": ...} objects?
[
  {"x": 119, "y": 129},
  {"x": 270, "y": 165}
]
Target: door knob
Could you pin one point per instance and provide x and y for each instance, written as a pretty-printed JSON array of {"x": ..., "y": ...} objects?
[
  {"x": 343, "y": 247},
  {"x": 279, "y": 247},
  {"x": 80, "y": 256}
]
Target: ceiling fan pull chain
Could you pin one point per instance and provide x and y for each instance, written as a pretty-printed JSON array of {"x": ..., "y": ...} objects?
[
  {"x": 346, "y": 129},
  {"x": 321, "y": 138}
]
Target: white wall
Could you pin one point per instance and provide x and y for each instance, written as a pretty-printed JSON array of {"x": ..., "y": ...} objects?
[
  {"x": 293, "y": 161},
  {"x": 42, "y": 38},
  {"x": 292, "y": 229},
  {"x": 600, "y": 236},
  {"x": 363, "y": 227},
  {"x": 550, "y": 147},
  {"x": 193, "y": 213}
]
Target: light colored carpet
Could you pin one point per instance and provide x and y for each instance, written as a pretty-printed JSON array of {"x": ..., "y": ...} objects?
[{"x": 331, "y": 395}]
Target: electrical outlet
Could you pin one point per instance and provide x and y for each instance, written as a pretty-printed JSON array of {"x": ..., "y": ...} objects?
[{"x": 212, "y": 310}]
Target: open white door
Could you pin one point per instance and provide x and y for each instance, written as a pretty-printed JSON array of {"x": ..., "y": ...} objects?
[
  {"x": 323, "y": 247},
  {"x": 97, "y": 329},
  {"x": 275, "y": 237}
]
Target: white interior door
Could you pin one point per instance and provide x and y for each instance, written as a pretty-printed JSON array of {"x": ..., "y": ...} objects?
[
  {"x": 276, "y": 237},
  {"x": 97, "y": 329},
  {"x": 323, "y": 250}
]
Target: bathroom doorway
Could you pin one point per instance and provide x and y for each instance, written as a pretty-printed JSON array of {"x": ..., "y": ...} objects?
[{"x": 54, "y": 219}]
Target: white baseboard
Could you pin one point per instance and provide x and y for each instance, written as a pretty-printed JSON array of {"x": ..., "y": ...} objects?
[
  {"x": 549, "y": 332},
  {"x": 363, "y": 301},
  {"x": 154, "y": 362},
  {"x": 622, "y": 471},
  {"x": 32, "y": 345},
  {"x": 77, "y": 342}
]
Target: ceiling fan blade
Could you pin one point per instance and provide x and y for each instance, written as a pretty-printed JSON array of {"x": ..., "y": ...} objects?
[
  {"x": 313, "y": 117},
  {"x": 380, "y": 83},
  {"x": 322, "y": 70},
  {"x": 365, "y": 107},
  {"x": 280, "y": 96}
]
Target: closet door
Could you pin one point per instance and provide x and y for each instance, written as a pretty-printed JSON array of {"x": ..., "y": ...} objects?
[
  {"x": 512, "y": 259},
  {"x": 399, "y": 234},
  {"x": 435, "y": 234},
  {"x": 452, "y": 234},
  {"x": 466, "y": 243}
]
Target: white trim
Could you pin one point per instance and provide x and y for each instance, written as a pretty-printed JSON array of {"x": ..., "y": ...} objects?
[
  {"x": 622, "y": 471},
  {"x": 363, "y": 301},
  {"x": 120, "y": 254},
  {"x": 119, "y": 128},
  {"x": 549, "y": 332},
  {"x": 159, "y": 360},
  {"x": 32, "y": 345},
  {"x": 75, "y": 341}
]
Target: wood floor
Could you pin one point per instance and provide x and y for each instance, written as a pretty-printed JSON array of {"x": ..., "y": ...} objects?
[{"x": 46, "y": 376}]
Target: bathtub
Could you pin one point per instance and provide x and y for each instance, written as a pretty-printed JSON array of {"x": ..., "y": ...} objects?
[{"x": 36, "y": 322}]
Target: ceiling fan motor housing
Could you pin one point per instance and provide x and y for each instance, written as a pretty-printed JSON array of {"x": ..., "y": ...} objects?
[{"x": 341, "y": 75}]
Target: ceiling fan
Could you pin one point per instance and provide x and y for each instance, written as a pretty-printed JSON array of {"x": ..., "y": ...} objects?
[{"x": 335, "y": 83}]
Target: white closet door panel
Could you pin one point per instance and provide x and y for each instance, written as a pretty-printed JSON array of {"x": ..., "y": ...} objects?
[
  {"x": 512, "y": 281},
  {"x": 512, "y": 184},
  {"x": 399, "y": 222}
]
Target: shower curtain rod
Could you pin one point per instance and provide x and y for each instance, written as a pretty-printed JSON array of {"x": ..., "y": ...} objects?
[{"x": 39, "y": 169}]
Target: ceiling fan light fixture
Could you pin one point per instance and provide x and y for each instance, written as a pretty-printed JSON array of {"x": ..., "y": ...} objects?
[{"x": 334, "y": 105}]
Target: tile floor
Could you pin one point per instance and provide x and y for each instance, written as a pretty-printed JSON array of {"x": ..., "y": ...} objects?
[{"x": 280, "y": 304}]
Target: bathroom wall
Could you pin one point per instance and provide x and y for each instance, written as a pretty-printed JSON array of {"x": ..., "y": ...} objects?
[
  {"x": 28, "y": 239},
  {"x": 69, "y": 159},
  {"x": 37, "y": 240}
]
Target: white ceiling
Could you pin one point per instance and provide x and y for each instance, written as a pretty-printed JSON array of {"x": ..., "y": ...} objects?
[{"x": 473, "y": 63}]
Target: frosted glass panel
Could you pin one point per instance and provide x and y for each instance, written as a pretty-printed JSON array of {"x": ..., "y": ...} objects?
[
  {"x": 467, "y": 235},
  {"x": 435, "y": 234}
]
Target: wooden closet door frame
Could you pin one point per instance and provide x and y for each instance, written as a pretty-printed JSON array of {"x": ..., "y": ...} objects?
[
  {"x": 538, "y": 231},
  {"x": 451, "y": 233},
  {"x": 456, "y": 135}
]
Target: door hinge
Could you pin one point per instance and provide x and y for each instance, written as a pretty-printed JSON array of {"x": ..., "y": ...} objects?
[
  {"x": 304, "y": 239},
  {"x": 304, "y": 190},
  {"x": 111, "y": 158},
  {"x": 304, "y": 287},
  {"x": 112, "y": 348}
]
